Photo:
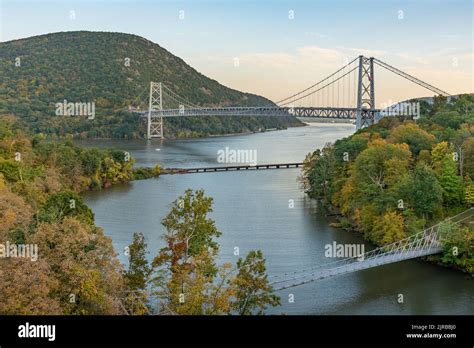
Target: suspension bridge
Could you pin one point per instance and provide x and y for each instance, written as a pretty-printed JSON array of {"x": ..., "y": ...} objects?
[
  {"x": 424, "y": 243},
  {"x": 348, "y": 93},
  {"x": 429, "y": 241}
]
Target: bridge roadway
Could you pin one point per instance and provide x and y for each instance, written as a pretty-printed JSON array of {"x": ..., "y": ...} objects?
[
  {"x": 378, "y": 260},
  {"x": 314, "y": 112},
  {"x": 229, "y": 168}
]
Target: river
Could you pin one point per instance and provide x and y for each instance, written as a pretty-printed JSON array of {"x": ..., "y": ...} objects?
[{"x": 267, "y": 210}]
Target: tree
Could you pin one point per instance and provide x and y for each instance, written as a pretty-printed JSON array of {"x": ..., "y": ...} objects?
[
  {"x": 424, "y": 157},
  {"x": 136, "y": 278},
  {"x": 319, "y": 173},
  {"x": 448, "y": 119},
  {"x": 139, "y": 270},
  {"x": 411, "y": 134},
  {"x": 389, "y": 228},
  {"x": 458, "y": 246},
  {"x": 15, "y": 214},
  {"x": 446, "y": 170},
  {"x": 186, "y": 267},
  {"x": 186, "y": 276},
  {"x": 252, "y": 290},
  {"x": 27, "y": 288},
  {"x": 189, "y": 230},
  {"x": 422, "y": 191},
  {"x": 376, "y": 171},
  {"x": 469, "y": 192},
  {"x": 468, "y": 146},
  {"x": 439, "y": 103},
  {"x": 450, "y": 182},
  {"x": 84, "y": 263},
  {"x": 308, "y": 164},
  {"x": 65, "y": 203}
]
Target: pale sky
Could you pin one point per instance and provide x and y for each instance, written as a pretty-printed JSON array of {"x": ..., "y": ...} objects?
[{"x": 282, "y": 46}]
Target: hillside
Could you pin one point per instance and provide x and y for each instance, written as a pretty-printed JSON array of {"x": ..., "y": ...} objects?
[
  {"x": 40, "y": 71},
  {"x": 400, "y": 177}
]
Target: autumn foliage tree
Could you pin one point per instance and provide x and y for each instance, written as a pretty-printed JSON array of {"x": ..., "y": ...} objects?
[
  {"x": 187, "y": 278},
  {"x": 397, "y": 177}
]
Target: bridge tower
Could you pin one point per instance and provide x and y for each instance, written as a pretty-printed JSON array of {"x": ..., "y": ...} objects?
[
  {"x": 155, "y": 123},
  {"x": 365, "y": 93}
]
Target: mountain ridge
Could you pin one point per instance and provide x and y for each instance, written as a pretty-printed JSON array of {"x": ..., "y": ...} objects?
[{"x": 86, "y": 66}]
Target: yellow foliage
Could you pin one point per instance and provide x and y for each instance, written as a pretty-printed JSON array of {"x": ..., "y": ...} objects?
[
  {"x": 389, "y": 228},
  {"x": 347, "y": 193},
  {"x": 469, "y": 193}
]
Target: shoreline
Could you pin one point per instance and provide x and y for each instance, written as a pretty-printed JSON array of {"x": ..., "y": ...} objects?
[
  {"x": 333, "y": 214},
  {"x": 303, "y": 124}
]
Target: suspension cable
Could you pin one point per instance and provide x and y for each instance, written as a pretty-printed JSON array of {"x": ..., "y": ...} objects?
[
  {"x": 296, "y": 94},
  {"x": 320, "y": 88},
  {"x": 411, "y": 78}
]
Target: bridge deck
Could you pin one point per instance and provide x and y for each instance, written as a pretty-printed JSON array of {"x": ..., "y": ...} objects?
[
  {"x": 230, "y": 168},
  {"x": 390, "y": 257},
  {"x": 423, "y": 243},
  {"x": 310, "y": 112}
]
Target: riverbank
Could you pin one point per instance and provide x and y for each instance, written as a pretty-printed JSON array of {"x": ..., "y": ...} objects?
[
  {"x": 268, "y": 210},
  {"x": 338, "y": 220},
  {"x": 393, "y": 179}
]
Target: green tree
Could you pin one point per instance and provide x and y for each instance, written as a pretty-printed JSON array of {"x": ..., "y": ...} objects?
[
  {"x": 319, "y": 174},
  {"x": 136, "y": 278},
  {"x": 139, "y": 269},
  {"x": 458, "y": 246},
  {"x": 188, "y": 224},
  {"x": 376, "y": 171},
  {"x": 411, "y": 134},
  {"x": 446, "y": 170},
  {"x": 185, "y": 267},
  {"x": 468, "y": 156},
  {"x": 65, "y": 203},
  {"x": 450, "y": 182},
  {"x": 389, "y": 228},
  {"x": 186, "y": 275},
  {"x": 422, "y": 191},
  {"x": 439, "y": 103},
  {"x": 252, "y": 289}
]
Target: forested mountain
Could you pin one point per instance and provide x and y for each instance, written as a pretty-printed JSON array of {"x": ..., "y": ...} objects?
[
  {"x": 397, "y": 177},
  {"x": 114, "y": 71}
]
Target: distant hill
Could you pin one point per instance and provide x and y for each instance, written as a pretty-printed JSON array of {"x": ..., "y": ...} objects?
[
  {"x": 430, "y": 100},
  {"x": 38, "y": 72}
]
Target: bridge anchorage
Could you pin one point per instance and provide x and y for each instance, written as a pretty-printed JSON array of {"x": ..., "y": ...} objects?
[{"x": 348, "y": 93}]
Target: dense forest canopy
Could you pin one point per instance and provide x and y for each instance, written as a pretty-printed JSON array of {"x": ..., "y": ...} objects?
[
  {"x": 394, "y": 178},
  {"x": 114, "y": 71},
  {"x": 75, "y": 270}
]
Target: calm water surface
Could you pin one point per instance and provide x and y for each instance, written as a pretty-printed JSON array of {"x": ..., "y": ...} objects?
[{"x": 252, "y": 209}]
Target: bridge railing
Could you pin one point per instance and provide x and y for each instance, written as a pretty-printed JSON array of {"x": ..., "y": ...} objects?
[
  {"x": 300, "y": 111},
  {"x": 424, "y": 242}
]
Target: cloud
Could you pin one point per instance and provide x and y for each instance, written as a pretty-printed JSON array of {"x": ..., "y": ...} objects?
[
  {"x": 362, "y": 51},
  {"x": 278, "y": 74},
  {"x": 413, "y": 59},
  {"x": 276, "y": 60},
  {"x": 315, "y": 35},
  {"x": 310, "y": 57}
]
